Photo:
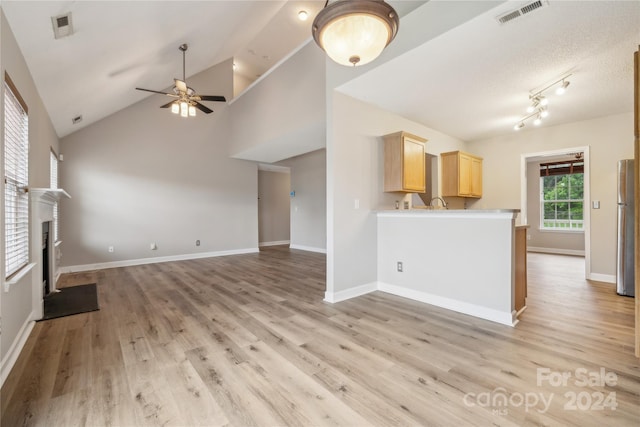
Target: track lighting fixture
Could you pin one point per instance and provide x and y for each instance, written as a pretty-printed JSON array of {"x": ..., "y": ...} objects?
[{"x": 539, "y": 102}]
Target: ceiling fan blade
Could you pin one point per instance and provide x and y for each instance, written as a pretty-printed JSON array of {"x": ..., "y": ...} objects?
[
  {"x": 182, "y": 86},
  {"x": 215, "y": 98},
  {"x": 157, "y": 91},
  {"x": 167, "y": 105},
  {"x": 202, "y": 108}
]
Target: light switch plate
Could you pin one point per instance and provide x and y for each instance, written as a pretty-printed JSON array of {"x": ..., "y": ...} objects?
[{"x": 595, "y": 204}]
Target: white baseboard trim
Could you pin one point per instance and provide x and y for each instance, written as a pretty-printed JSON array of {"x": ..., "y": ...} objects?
[
  {"x": 16, "y": 347},
  {"x": 346, "y": 294},
  {"x": 141, "y": 261},
  {"x": 505, "y": 318},
  {"x": 555, "y": 251},
  {"x": 275, "y": 243},
  {"x": 308, "y": 248},
  {"x": 606, "y": 278}
]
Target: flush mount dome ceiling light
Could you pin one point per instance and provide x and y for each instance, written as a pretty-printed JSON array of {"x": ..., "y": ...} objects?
[{"x": 355, "y": 32}]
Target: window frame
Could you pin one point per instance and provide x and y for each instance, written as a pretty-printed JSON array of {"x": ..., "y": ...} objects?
[
  {"x": 543, "y": 201},
  {"x": 53, "y": 184},
  {"x": 16, "y": 181}
]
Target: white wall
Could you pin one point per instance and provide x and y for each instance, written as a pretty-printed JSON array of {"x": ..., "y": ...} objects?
[
  {"x": 283, "y": 114},
  {"x": 459, "y": 261},
  {"x": 16, "y": 304},
  {"x": 609, "y": 138},
  {"x": 555, "y": 241},
  {"x": 144, "y": 175},
  {"x": 309, "y": 205},
  {"x": 240, "y": 83},
  {"x": 354, "y": 172},
  {"x": 273, "y": 207}
]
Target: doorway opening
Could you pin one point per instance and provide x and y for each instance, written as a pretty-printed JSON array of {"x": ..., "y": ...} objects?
[
  {"x": 274, "y": 205},
  {"x": 551, "y": 232}
]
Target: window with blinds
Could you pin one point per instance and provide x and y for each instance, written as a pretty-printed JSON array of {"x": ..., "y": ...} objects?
[
  {"x": 53, "y": 183},
  {"x": 16, "y": 179}
]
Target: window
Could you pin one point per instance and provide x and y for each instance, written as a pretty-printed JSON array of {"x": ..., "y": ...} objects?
[
  {"x": 16, "y": 179},
  {"x": 562, "y": 195},
  {"x": 53, "y": 183}
]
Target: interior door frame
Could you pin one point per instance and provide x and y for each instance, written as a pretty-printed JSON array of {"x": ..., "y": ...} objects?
[{"x": 524, "y": 159}]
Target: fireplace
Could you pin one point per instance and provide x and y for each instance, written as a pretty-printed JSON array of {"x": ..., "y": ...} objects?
[{"x": 43, "y": 248}]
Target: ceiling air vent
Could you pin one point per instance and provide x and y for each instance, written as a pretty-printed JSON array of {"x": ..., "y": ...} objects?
[
  {"x": 76, "y": 119},
  {"x": 62, "y": 25},
  {"x": 523, "y": 10}
]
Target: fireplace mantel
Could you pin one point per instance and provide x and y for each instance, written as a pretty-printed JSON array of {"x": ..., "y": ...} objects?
[{"x": 48, "y": 195}]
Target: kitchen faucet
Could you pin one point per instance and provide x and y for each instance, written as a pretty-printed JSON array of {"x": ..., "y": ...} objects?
[{"x": 444, "y": 204}]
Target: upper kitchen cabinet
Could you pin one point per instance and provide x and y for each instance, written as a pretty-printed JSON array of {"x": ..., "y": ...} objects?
[
  {"x": 404, "y": 163},
  {"x": 461, "y": 174}
]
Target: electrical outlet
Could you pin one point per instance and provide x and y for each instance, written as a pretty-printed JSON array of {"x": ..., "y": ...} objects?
[
  {"x": 197, "y": 242},
  {"x": 111, "y": 249},
  {"x": 399, "y": 266}
]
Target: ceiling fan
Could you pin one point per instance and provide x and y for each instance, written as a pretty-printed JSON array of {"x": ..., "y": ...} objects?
[{"x": 186, "y": 99}]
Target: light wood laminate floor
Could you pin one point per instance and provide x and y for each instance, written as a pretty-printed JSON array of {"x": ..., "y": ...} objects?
[{"x": 247, "y": 340}]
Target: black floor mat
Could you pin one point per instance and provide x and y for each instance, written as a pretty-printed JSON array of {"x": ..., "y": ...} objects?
[{"x": 71, "y": 300}]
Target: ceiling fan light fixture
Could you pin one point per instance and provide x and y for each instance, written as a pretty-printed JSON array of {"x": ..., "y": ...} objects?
[
  {"x": 192, "y": 111},
  {"x": 184, "y": 109},
  {"x": 355, "y": 32},
  {"x": 175, "y": 108}
]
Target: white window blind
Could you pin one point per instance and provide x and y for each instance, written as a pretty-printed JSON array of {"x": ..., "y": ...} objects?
[
  {"x": 16, "y": 169},
  {"x": 53, "y": 183}
]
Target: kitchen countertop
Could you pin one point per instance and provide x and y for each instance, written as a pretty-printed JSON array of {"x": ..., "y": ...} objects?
[{"x": 450, "y": 213}]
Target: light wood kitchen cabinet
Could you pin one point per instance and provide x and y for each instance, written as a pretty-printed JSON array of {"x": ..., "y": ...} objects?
[
  {"x": 404, "y": 163},
  {"x": 461, "y": 174}
]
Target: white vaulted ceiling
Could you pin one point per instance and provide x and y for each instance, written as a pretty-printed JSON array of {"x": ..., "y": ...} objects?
[
  {"x": 472, "y": 81},
  {"x": 119, "y": 45}
]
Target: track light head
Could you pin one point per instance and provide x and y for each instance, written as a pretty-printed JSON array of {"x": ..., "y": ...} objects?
[
  {"x": 518, "y": 126},
  {"x": 544, "y": 112},
  {"x": 543, "y": 100},
  {"x": 538, "y": 121},
  {"x": 562, "y": 89}
]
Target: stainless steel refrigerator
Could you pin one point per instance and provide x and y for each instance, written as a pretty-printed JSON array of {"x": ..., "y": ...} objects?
[{"x": 625, "y": 276}]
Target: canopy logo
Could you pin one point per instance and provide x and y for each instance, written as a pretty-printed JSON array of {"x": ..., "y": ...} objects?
[{"x": 592, "y": 397}]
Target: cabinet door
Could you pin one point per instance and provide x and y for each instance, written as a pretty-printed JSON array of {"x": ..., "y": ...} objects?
[
  {"x": 476, "y": 177},
  {"x": 413, "y": 165},
  {"x": 464, "y": 183}
]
